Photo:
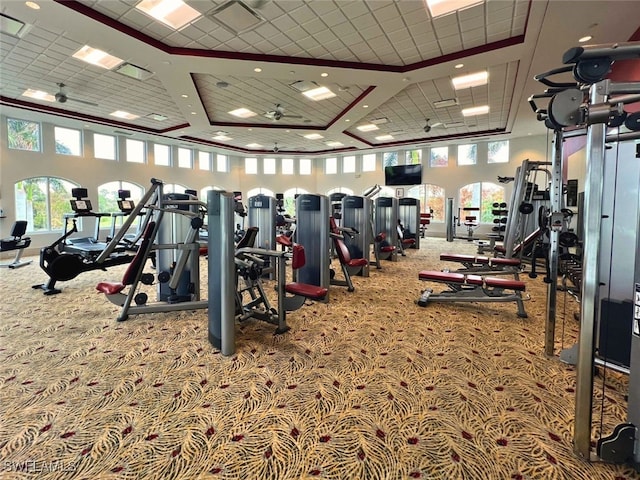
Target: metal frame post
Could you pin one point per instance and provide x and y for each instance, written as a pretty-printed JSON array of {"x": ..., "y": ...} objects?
[
  {"x": 221, "y": 271},
  {"x": 591, "y": 274},
  {"x": 556, "y": 205}
]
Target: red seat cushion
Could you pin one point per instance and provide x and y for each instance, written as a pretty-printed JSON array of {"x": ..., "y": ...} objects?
[
  {"x": 284, "y": 240},
  {"x": 504, "y": 283},
  {"x": 408, "y": 241},
  {"x": 306, "y": 290},
  {"x": 110, "y": 288},
  {"x": 451, "y": 277},
  {"x": 357, "y": 262},
  {"x": 387, "y": 248}
]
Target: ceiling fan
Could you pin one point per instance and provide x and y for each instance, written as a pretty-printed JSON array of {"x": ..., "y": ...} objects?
[
  {"x": 62, "y": 97},
  {"x": 278, "y": 113},
  {"x": 427, "y": 128}
]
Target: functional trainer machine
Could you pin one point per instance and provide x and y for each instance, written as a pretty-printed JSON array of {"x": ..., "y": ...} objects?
[
  {"x": 409, "y": 217},
  {"x": 261, "y": 213},
  {"x": 610, "y": 274},
  {"x": 357, "y": 213}
]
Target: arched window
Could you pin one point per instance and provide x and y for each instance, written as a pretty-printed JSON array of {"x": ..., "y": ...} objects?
[
  {"x": 108, "y": 195},
  {"x": 260, "y": 191},
  {"x": 203, "y": 192},
  {"x": 173, "y": 188},
  {"x": 345, "y": 190},
  {"x": 290, "y": 200},
  {"x": 431, "y": 199},
  {"x": 482, "y": 195},
  {"x": 42, "y": 202}
]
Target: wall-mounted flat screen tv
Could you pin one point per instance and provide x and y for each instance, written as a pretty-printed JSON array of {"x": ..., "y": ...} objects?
[{"x": 403, "y": 175}]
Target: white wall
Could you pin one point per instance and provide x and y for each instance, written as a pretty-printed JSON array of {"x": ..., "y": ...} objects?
[{"x": 90, "y": 172}]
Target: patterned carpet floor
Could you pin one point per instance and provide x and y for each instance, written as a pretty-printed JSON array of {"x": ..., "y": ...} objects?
[{"x": 367, "y": 386}]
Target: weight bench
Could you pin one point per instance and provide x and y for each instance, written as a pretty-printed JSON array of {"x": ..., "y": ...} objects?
[
  {"x": 17, "y": 242},
  {"x": 472, "y": 288},
  {"x": 481, "y": 264}
]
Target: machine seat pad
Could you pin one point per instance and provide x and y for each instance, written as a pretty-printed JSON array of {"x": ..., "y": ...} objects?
[
  {"x": 110, "y": 288},
  {"x": 313, "y": 292},
  {"x": 387, "y": 248},
  {"x": 408, "y": 241},
  {"x": 357, "y": 262},
  {"x": 203, "y": 250},
  {"x": 457, "y": 257},
  {"x": 477, "y": 280},
  {"x": 284, "y": 240}
]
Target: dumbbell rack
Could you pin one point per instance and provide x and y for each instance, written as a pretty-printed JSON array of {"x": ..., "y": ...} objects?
[{"x": 500, "y": 213}]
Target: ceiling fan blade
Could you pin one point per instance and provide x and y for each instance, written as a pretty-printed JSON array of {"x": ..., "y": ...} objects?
[
  {"x": 82, "y": 101},
  {"x": 291, "y": 116}
]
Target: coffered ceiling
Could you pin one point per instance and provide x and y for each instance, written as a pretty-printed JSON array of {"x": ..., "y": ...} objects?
[{"x": 388, "y": 62}]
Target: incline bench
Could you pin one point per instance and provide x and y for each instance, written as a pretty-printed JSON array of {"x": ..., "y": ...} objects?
[{"x": 472, "y": 288}]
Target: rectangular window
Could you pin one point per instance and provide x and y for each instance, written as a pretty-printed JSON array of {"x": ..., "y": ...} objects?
[
  {"x": 349, "y": 164},
  {"x": 23, "y": 135},
  {"x": 330, "y": 165},
  {"x": 468, "y": 154},
  {"x": 305, "y": 166},
  {"x": 135, "y": 150},
  {"x": 369, "y": 162},
  {"x": 390, "y": 159},
  {"x": 104, "y": 146},
  {"x": 162, "y": 155},
  {"x": 439, "y": 157},
  {"x": 287, "y": 166},
  {"x": 204, "y": 160},
  {"x": 498, "y": 152},
  {"x": 222, "y": 163},
  {"x": 269, "y": 166},
  {"x": 68, "y": 141},
  {"x": 185, "y": 158},
  {"x": 251, "y": 166},
  {"x": 413, "y": 157}
]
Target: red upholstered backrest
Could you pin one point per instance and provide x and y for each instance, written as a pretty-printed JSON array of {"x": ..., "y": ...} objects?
[
  {"x": 130, "y": 274},
  {"x": 299, "y": 258},
  {"x": 341, "y": 249},
  {"x": 333, "y": 226}
]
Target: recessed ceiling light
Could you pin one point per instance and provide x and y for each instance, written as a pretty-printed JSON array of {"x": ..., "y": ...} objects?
[
  {"x": 13, "y": 26},
  {"x": 174, "y": 13},
  {"x": 193, "y": 113},
  {"x": 335, "y": 144},
  {"x": 313, "y": 136},
  {"x": 367, "y": 128},
  {"x": 468, "y": 112},
  {"x": 222, "y": 138},
  {"x": 257, "y": 69},
  {"x": 184, "y": 95},
  {"x": 320, "y": 93},
  {"x": 123, "y": 114},
  {"x": 39, "y": 95},
  {"x": 97, "y": 57},
  {"x": 365, "y": 106},
  {"x": 585, "y": 39},
  {"x": 384, "y": 137},
  {"x": 254, "y": 145},
  {"x": 242, "y": 113},
  {"x": 443, "y": 7},
  {"x": 471, "y": 80},
  {"x": 347, "y": 120},
  {"x": 33, "y": 5},
  {"x": 379, "y": 121},
  {"x": 459, "y": 65},
  {"x": 324, "y": 74}
]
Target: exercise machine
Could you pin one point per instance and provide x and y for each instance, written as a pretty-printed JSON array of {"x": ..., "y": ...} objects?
[
  {"x": 357, "y": 213},
  {"x": 261, "y": 213},
  {"x": 18, "y": 242},
  {"x": 386, "y": 227},
  {"x": 63, "y": 261},
  {"x": 610, "y": 273},
  {"x": 177, "y": 263},
  {"x": 224, "y": 305},
  {"x": 409, "y": 219}
]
